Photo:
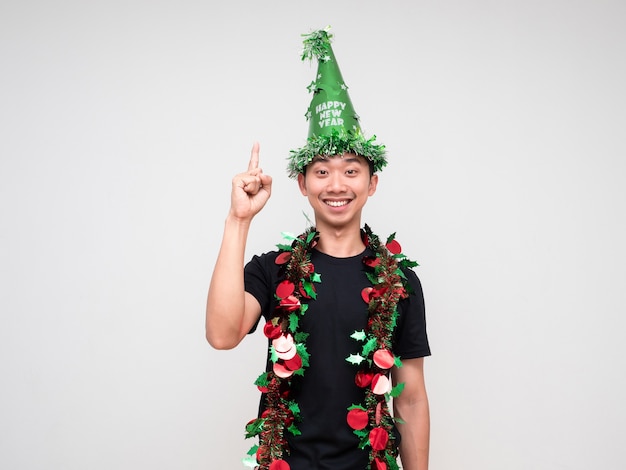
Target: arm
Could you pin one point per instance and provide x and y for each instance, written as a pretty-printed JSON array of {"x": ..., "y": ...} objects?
[
  {"x": 412, "y": 407},
  {"x": 230, "y": 311}
]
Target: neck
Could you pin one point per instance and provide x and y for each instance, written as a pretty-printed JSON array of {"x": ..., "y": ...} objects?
[{"x": 340, "y": 242}]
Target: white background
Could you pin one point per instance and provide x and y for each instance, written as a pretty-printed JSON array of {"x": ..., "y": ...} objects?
[{"x": 122, "y": 123}]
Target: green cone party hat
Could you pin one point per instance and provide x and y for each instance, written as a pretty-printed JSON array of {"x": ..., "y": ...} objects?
[{"x": 333, "y": 124}]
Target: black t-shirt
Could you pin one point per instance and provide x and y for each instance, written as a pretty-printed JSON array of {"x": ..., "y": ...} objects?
[{"x": 327, "y": 388}]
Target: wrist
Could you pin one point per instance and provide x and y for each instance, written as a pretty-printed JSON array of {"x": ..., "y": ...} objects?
[{"x": 235, "y": 221}]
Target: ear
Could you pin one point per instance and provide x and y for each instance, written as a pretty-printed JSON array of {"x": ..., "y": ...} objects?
[
  {"x": 302, "y": 183},
  {"x": 373, "y": 184}
]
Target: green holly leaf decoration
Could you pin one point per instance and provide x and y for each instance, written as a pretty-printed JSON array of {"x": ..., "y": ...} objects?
[
  {"x": 300, "y": 337},
  {"x": 392, "y": 463},
  {"x": 355, "y": 359},
  {"x": 304, "y": 355},
  {"x": 254, "y": 428},
  {"x": 369, "y": 346},
  {"x": 273, "y": 355},
  {"x": 293, "y": 429},
  {"x": 294, "y": 408},
  {"x": 407, "y": 263},
  {"x": 394, "y": 318},
  {"x": 250, "y": 461},
  {"x": 397, "y": 362},
  {"x": 397, "y": 390},
  {"x": 288, "y": 236},
  {"x": 357, "y": 407},
  {"x": 262, "y": 380},
  {"x": 364, "y": 437},
  {"x": 308, "y": 288},
  {"x": 310, "y": 236},
  {"x": 358, "y": 335},
  {"x": 294, "y": 320}
]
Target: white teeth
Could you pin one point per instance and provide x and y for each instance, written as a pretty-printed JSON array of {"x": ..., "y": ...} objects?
[{"x": 337, "y": 203}]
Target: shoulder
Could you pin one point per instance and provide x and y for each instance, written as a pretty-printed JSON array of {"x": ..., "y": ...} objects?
[
  {"x": 413, "y": 281},
  {"x": 260, "y": 278},
  {"x": 263, "y": 264},
  {"x": 264, "y": 259}
]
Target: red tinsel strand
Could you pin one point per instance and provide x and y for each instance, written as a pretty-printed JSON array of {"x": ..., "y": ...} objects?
[
  {"x": 272, "y": 439},
  {"x": 380, "y": 325}
]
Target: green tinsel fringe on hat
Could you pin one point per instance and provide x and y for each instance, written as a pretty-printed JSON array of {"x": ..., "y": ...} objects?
[
  {"x": 344, "y": 137},
  {"x": 336, "y": 144}
]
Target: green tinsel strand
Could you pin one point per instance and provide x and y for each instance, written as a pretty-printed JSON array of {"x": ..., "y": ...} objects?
[{"x": 316, "y": 44}]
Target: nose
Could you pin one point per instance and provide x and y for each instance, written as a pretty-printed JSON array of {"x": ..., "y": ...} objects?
[{"x": 336, "y": 183}]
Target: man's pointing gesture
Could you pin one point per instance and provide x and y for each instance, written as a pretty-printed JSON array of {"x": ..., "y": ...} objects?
[{"x": 250, "y": 190}]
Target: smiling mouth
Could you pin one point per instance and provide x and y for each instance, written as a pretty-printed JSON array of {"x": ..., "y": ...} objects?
[{"x": 337, "y": 203}]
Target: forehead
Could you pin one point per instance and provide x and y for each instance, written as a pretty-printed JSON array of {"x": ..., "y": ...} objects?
[{"x": 346, "y": 157}]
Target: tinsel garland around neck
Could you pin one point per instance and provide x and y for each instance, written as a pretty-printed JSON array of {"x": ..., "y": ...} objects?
[{"x": 370, "y": 420}]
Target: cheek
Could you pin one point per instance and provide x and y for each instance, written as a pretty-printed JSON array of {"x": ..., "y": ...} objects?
[{"x": 312, "y": 188}]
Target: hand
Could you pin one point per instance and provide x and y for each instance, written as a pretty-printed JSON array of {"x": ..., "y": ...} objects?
[{"x": 250, "y": 190}]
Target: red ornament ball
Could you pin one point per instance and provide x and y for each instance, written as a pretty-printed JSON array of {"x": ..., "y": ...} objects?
[
  {"x": 357, "y": 418},
  {"x": 279, "y": 465}
]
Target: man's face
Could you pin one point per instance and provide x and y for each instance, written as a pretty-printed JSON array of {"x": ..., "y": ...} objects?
[{"x": 337, "y": 188}]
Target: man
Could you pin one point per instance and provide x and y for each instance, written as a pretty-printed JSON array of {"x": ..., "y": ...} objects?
[{"x": 344, "y": 312}]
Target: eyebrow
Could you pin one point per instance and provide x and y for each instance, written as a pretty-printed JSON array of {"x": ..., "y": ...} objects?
[{"x": 350, "y": 159}]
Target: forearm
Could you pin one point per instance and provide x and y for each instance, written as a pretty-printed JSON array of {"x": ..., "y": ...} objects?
[
  {"x": 415, "y": 431},
  {"x": 225, "y": 307}
]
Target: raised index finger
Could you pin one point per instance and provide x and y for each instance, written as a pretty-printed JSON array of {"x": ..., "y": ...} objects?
[{"x": 254, "y": 157}]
